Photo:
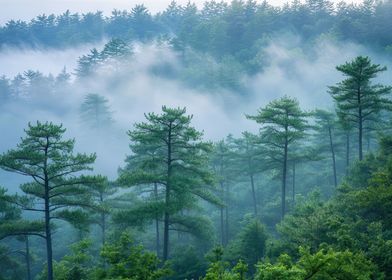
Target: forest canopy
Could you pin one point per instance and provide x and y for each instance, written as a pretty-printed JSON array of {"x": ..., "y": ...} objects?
[{"x": 299, "y": 188}]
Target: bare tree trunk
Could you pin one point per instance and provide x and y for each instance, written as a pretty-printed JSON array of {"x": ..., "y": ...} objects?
[
  {"x": 103, "y": 220},
  {"x": 227, "y": 215},
  {"x": 222, "y": 218},
  {"x": 158, "y": 245},
  {"x": 360, "y": 123},
  {"x": 333, "y": 157},
  {"x": 347, "y": 152},
  {"x": 48, "y": 232},
  {"x": 166, "y": 228},
  {"x": 103, "y": 228},
  {"x": 284, "y": 174},
  {"x": 48, "y": 236},
  {"x": 167, "y": 198},
  {"x": 28, "y": 264},
  {"x": 293, "y": 198},
  {"x": 253, "y": 194}
]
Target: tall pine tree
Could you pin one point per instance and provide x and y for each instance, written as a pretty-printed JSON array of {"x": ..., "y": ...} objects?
[
  {"x": 358, "y": 101},
  {"x": 173, "y": 156},
  {"x": 283, "y": 124},
  {"x": 57, "y": 185}
]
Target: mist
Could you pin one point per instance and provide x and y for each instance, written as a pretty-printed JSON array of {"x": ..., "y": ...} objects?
[
  {"x": 137, "y": 91},
  {"x": 15, "y": 61},
  {"x": 309, "y": 183}
]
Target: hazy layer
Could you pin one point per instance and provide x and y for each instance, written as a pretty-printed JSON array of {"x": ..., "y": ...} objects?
[
  {"x": 14, "y": 61},
  {"x": 291, "y": 71}
]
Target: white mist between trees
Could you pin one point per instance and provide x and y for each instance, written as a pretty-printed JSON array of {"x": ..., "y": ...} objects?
[{"x": 291, "y": 70}]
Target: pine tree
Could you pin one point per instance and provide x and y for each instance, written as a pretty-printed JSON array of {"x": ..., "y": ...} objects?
[
  {"x": 115, "y": 52},
  {"x": 326, "y": 126},
  {"x": 172, "y": 154},
  {"x": 95, "y": 111},
  {"x": 116, "y": 49},
  {"x": 283, "y": 124},
  {"x": 151, "y": 194},
  {"x": 57, "y": 184},
  {"x": 249, "y": 152},
  {"x": 12, "y": 225},
  {"x": 88, "y": 64},
  {"x": 222, "y": 161},
  {"x": 358, "y": 101},
  {"x": 102, "y": 192}
]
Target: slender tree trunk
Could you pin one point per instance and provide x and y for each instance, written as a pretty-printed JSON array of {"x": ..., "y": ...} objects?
[
  {"x": 222, "y": 227},
  {"x": 227, "y": 215},
  {"x": 360, "y": 136},
  {"x": 167, "y": 198},
  {"x": 158, "y": 245},
  {"x": 253, "y": 194},
  {"x": 293, "y": 198},
  {"x": 48, "y": 233},
  {"x": 103, "y": 221},
  {"x": 103, "y": 228},
  {"x": 347, "y": 152},
  {"x": 284, "y": 174},
  {"x": 222, "y": 218},
  {"x": 28, "y": 265},
  {"x": 360, "y": 122},
  {"x": 166, "y": 227},
  {"x": 48, "y": 236},
  {"x": 335, "y": 179}
]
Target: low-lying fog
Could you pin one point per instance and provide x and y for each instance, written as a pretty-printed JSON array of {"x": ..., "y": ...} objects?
[{"x": 290, "y": 71}]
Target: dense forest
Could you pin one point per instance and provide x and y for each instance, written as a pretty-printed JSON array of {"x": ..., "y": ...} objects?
[{"x": 304, "y": 193}]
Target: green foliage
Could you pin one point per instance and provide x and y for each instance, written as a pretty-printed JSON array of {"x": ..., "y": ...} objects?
[
  {"x": 358, "y": 101},
  {"x": 125, "y": 260},
  {"x": 249, "y": 246},
  {"x": 187, "y": 263},
  {"x": 282, "y": 269},
  {"x": 219, "y": 269},
  {"x": 168, "y": 153},
  {"x": 323, "y": 265},
  {"x": 55, "y": 170},
  {"x": 10, "y": 267},
  {"x": 74, "y": 266},
  {"x": 283, "y": 125}
]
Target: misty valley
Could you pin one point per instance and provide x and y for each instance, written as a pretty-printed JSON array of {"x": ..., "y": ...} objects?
[{"x": 212, "y": 140}]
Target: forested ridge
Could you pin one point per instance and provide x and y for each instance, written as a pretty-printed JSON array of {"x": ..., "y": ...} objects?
[{"x": 306, "y": 195}]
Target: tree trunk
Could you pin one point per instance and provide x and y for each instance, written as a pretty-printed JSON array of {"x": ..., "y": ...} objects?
[
  {"x": 158, "y": 245},
  {"x": 222, "y": 218},
  {"x": 335, "y": 179},
  {"x": 253, "y": 194},
  {"x": 360, "y": 135},
  {"x": 293, "y": 198},
  {"x": 166, "y": 228},
  {"x": 284, "y": 174},
  {"x": 103, "y": 222},
  {"x": 223, "y": 242},
  {"x": 227, "y": 215},
  {"x": 347, "y": 152},
  {"x": 28, "y": 265},
  {"x": 167, "y": 198},
  {"x": 360, "y": 122},
  {"x": 48, "y": 233}
]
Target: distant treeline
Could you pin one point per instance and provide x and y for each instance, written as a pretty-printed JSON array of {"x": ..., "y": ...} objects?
[
  {"x": 216, "y": 46},
  {"x": 219, "y": 29}
]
